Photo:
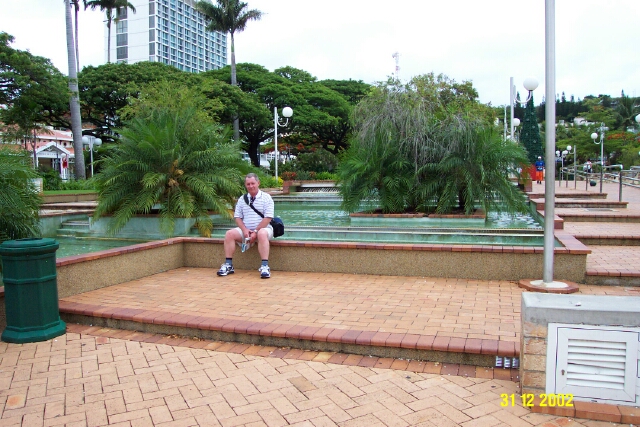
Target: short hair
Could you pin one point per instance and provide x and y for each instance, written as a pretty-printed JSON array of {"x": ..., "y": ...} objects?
[{"x": 252, "y": 175}]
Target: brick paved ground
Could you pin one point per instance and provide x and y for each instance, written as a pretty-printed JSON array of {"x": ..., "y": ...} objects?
[
  {"x": 80, "y": 379},
  {"x": 605, "y": 258},
  {"x": 96, "y": 377},
  {"x": 459, "y": 308}
]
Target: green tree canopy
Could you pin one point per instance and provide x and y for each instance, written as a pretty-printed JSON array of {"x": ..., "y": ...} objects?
[
  {"x": 33, "y": 92},
  {"x": 106, "y": 89},
  {"x": 321, "y": 113}
]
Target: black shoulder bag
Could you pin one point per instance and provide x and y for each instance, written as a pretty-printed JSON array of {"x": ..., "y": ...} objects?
[{"x": 276, "y": 223}]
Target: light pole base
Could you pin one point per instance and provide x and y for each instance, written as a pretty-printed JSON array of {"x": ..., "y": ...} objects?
[{"x": 549, "y": 287}]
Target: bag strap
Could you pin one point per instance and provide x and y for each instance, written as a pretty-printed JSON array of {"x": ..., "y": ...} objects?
[{"x": 246, "y": 200}]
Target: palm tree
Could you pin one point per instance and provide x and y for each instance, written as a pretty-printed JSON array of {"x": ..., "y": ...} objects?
[
  {"x": 411, "y": 152},
  {"x": 229, "y": 16},
  {"x": 109, "y": 6},
  {"x": 172, "y": 158},
  {"x": 76, "y": 7},
  {"x": 74, "y": 103},
  {"x": 475, "y": 173},
  {"x": 19, "y": 203}
]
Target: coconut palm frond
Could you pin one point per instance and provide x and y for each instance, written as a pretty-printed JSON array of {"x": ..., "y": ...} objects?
[{"x": 172, "y": 159}]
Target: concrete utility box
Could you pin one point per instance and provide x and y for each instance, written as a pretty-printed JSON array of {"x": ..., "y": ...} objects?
[{"x": 31, "y": 290}]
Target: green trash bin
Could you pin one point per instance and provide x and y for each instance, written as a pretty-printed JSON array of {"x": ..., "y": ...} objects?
[{"x": 30, "y": 290}]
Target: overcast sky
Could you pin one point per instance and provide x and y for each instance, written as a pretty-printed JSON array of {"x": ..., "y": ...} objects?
[{"x": 597, "y": 42}]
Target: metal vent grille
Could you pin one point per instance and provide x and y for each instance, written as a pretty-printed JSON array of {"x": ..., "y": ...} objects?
[{"x": 597, "y": 363}]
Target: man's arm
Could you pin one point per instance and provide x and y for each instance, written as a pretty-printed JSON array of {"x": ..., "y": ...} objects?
[{"x": 240, "y": 223}]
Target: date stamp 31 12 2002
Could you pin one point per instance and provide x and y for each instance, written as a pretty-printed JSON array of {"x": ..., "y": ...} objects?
[{"x": 528, "y": 399}]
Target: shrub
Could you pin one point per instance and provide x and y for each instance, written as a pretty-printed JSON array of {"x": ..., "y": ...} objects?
[
  {"x": 289, "y": 176},
  {"x": 50, "y": 179},
  {"x": 88, "y": 184},
  {"x": 413, "y": 146},
  {"x": 318, "y": 161},
  {"x": 268, "y": 181},
  {"x": 326, "y": 176},
  {"x": 19, "y": 203}
]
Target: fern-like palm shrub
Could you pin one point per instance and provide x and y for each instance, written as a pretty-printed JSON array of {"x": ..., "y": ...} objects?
[
  {"x": 171, "y": 158},
  {"x": 475, "y": 174},
  {"x": 19, "y": 200},
  {"x": 428, "y": 145}
]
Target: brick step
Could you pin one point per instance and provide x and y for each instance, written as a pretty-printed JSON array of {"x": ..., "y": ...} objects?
[
  {"x": 613, "y": 278},
  {"x": 584, "y": 215},
  {"x": 596, "y": 205},
  {"x": 597, "y": 240},
  {"x": 463, "y": 351},
  {"x": 572, "y": 195}
]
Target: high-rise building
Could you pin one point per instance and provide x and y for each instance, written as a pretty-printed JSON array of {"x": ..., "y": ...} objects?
[{"x": 167, "y": 31}]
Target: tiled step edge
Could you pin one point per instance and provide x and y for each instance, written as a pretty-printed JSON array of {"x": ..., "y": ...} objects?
[
  {"x": 104, "y": 334},
  {"x": 466, "y": 351},
  {"x": 613, "y": 277},
  {"x": 608, "y": 240},
  {"x": 592, "y": 411}
]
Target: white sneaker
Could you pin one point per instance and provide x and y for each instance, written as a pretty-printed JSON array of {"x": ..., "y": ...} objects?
[
  {"x": 226, "y": 269},
  {"x": 265, "y": 272}
]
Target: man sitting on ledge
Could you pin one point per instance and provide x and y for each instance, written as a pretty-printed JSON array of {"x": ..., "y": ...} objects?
[{"x": 251, "y": 226}]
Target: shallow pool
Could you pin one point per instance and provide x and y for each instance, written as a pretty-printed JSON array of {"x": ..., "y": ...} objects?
[
  {"x": 330, "y": 214},
  {"x": 77, "y": 246}
]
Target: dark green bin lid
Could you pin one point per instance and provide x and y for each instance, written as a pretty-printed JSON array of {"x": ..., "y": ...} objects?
[{"x": 28, "y": 246}]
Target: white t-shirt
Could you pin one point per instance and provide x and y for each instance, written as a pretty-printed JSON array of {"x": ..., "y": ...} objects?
[{"x": 263, "y": 203}]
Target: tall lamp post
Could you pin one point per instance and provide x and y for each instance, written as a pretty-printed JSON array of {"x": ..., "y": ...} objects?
[
  {"x": 286, "y": 113},
  {"x": 91, "y": 141},
  {"x": 530, "y": 84},
  {"x": 547, "y": 284},
  {"x": 515, "y": 123},
  {"x": 575, "y": 166},
  {"x": 561, "y": 156},
  {"x": 594, "y": 136}
]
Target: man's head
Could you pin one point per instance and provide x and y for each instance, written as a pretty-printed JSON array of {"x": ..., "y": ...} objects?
[
  {"x": 539, "y": 157},
  {"x": 252, "y": 183}
]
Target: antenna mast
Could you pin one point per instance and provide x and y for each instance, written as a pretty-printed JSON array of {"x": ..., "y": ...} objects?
[{"x": 396, "y": 56}]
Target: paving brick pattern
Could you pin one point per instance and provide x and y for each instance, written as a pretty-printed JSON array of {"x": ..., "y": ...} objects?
[
  {"x": 605, "y": 260},
  {"x": 293, "y": 303},
  {"x": 625, "y": 260},
  {"x": 80, "y": 379}
]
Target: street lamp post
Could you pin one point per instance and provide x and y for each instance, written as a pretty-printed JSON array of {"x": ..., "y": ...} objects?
[
  {"x": 286, "y": 113},
  {"x": 516, "y": 123},
  {"x": 91, "y": 141},
  {"x": 561, "y": 156},
  {"x": 594, "y": 136},
  {"x": 530, "y": 84},
  {"x": 568, "y": 151}
]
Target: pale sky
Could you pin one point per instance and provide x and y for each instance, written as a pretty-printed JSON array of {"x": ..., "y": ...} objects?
[{"x": 597, "y": 41}]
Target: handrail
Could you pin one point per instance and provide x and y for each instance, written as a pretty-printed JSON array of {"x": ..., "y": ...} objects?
[{"x": 620, "y": 177}]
